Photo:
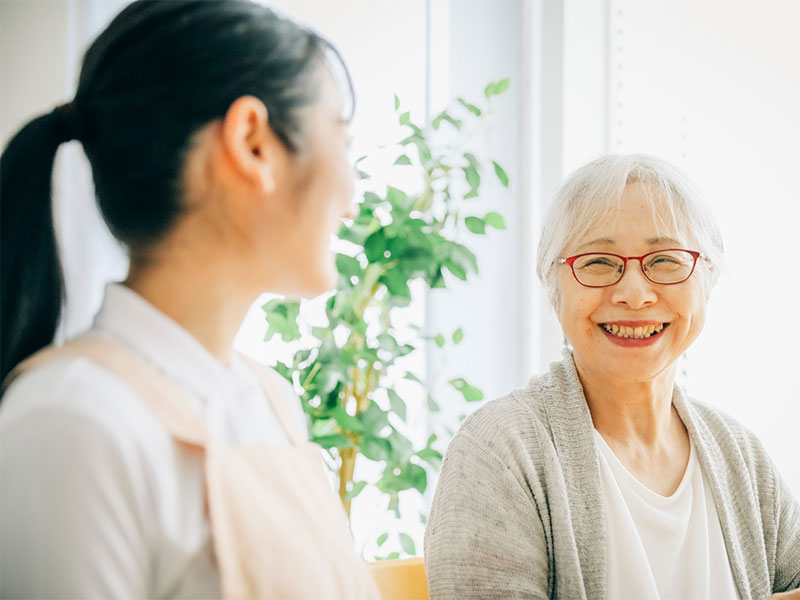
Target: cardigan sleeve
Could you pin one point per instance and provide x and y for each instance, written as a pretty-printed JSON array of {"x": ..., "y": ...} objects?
[
  {"x": 787, "y": 553},
  {"x": 484, "y": 537}
]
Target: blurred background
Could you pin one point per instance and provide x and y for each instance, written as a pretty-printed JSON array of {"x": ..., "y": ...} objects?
[{"x": 712, "y": 85}]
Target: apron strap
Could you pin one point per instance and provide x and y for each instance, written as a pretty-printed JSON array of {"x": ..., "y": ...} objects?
[
  {"x": 277, "y": 400},
  {"x": 157, "y": 392}
]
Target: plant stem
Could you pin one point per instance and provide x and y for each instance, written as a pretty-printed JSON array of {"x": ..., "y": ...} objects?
[{"x": 346, "y": 475}]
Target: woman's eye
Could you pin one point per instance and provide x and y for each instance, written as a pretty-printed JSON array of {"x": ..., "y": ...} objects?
[
  {"x": 664, "y": 260},
  {"x": 599, "y": 262}
]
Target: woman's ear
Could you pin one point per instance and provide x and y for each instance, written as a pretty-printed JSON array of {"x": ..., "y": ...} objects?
[{"x": 249, "y": 143}]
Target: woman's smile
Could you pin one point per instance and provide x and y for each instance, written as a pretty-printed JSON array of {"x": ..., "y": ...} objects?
[{"x": 634, "y": 334}]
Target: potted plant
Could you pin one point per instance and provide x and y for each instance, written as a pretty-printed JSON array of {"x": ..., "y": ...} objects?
[{"x": 347, "y": 376}]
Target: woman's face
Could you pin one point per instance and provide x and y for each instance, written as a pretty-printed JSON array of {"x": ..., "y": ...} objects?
[
  {"x": 318, "y": 194},
  {"x": 634, "y": 301}
]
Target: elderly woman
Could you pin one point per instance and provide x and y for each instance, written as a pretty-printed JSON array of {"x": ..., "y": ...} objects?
[{"x": 601, "y": 479}]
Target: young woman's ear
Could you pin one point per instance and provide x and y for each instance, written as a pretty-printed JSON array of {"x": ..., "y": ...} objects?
[{"x": 249, "y": 142}]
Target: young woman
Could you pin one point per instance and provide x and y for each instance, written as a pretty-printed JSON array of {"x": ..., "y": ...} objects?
[{"x": 147, "y": 458}]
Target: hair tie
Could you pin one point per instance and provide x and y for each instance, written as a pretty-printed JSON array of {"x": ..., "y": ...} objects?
[{"x": 69, "y": 124}]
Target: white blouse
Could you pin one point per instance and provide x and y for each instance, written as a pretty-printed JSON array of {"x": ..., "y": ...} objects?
[
  {"x": 97, "y": 500},
  {"x": 662, "y": 547}
]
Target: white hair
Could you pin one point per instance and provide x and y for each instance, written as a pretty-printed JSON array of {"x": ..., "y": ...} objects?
[{"x": 594, "y": 192}]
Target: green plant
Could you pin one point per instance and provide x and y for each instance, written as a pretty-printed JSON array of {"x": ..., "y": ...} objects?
[{"x": 398, "y": 237}]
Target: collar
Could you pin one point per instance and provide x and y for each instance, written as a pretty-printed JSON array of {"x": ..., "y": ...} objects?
[{"x": 129, "y": 318}]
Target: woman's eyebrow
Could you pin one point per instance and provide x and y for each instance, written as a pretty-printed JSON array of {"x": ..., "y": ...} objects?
[
  {"x": 604, "y": 241},
  {"x": 650, "y": 242},
  {"x": 661, "y": 240}
]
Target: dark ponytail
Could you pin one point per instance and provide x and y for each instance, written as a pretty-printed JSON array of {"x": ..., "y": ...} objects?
[
  {"x": 160, "y": 71},
  {"x": 32, "y": 281}
]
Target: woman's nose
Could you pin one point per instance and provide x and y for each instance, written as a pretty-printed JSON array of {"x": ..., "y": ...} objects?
[{"x": 634, "y": 289}]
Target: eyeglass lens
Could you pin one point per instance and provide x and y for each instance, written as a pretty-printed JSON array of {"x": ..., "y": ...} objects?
[{"x": 670, "y": 266}]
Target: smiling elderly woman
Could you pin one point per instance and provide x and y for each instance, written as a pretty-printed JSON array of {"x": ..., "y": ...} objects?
[{"x": 601, "y": 479}]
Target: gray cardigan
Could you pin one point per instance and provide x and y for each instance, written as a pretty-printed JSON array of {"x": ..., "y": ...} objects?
[{"x": 518, "y": 511}]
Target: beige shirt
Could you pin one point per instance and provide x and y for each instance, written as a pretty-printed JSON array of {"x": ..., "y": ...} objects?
[{"x": 97, "y": 499}]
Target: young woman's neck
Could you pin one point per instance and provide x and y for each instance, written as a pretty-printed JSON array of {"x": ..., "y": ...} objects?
[{"x": 202, "y": 293}]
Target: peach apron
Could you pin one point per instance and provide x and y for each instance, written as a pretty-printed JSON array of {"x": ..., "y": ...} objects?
[{"x": 278, "y": 528}]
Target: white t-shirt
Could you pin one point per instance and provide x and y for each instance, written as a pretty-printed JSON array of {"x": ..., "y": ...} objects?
[
  {"x": 667, "y": 548},
  {"x": 97, "y": 500}
]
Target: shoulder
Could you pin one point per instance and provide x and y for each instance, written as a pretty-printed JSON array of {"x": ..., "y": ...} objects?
[
  {"x": 514, "y": 428},
  {"x": 80, "y": 387},
  {"x": 734, "y": 455},
  {"x": 729, "y": 434},
  {"x": 73, "y": 405}
]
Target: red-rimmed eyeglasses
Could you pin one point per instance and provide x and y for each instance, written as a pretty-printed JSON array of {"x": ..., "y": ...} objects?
[{"x": 602, "y": 269}]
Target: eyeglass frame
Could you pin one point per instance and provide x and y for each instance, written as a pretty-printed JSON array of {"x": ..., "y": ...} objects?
[{"x": 571, "y": 261}]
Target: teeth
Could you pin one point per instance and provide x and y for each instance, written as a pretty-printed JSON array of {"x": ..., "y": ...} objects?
[{"x": 636, "y": 333}]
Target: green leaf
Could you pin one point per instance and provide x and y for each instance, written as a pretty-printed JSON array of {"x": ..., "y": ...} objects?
[
  {"x": 418, "y": 477},
  {"x": 403, "y": 160},
  {"x": 375, "y": 246},
  {"x": 470, "y": 107},
  {"x": 501, "y": 86},
  {"x": 431, "y": 456},
  {"x": 408, "y": 544},
  {"x": 472, "y": 160},
  {"x": 348, "y": 265},
  {"x": 501, "y": 174},
  {"x": 397, "y": 284},
  {"x": 475, "y": 225},
  {"x": 355, "y": 490},
  {"x": 387, "y": 342},
  {"x": 464, "y": 257},
  {"x": 397, "y": 404},
  {"x": 397, "y": 198},
  {"x": 321, "y": 332},
  {"x": 283, "y": 322},
  {"x": 390, "y": 556},
  {"x": 411, "y": 377},
  {"x": 402, "y": 450},
  {"x": 473, "y": 177},
  {"x": 405, "y": 118},
  {"x": 495, "y": 89},
  {"x": 284, "y": 371},
  {"x": 396, "y": 102},
  {"x": 384, "y": 536},
  {"x": 445, "y": 116},
  {"x": 375, "y": 448},
  {"x": 432, "y": 405},
  {"x": 439, "y": 339},
  {"x": 456, "y": 269},
  {"x": 374, "y": 418},
  {"x": 346, "y": 421},
  {"x": 334, "y": 440},
  {"x": 322, "y": 427},
  {"x": 495, "y": 219},
  {"x": 470, "y": 392},
  {"x": 458, "y": 335},
  {"x": 371, "y": 199}
]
